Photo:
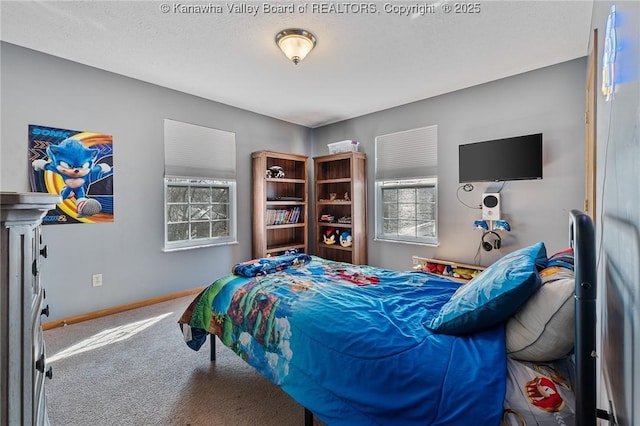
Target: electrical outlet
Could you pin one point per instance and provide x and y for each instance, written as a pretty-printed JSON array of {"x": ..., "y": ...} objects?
[{"x": 96, "y": 280}]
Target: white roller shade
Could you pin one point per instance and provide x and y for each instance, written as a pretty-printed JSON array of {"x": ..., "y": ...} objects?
[
  {"x": 407, "y": 155},
  {"x": 197, "y": 151}
]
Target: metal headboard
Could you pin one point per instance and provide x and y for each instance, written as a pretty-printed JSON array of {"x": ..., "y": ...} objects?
[{"x": 582, "y": 239}]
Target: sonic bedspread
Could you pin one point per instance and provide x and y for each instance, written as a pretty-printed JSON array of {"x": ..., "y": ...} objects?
[{"x": 348, "y": 343}]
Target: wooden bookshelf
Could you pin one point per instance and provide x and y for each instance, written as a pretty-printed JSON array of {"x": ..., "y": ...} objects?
[
  {"x": 341, "y": 203},
  {"x": 280, "y": 204}
]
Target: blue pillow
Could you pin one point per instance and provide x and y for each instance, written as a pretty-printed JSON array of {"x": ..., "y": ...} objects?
[
  {"x": 270, "y": 265},
  {"x": 494, "y": 295}
]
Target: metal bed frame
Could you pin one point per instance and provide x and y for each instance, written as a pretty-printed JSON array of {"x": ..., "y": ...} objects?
[{"x": 582, "y": 239}]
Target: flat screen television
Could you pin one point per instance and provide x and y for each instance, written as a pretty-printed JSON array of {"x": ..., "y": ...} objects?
[{"x": 514, "y": 158}]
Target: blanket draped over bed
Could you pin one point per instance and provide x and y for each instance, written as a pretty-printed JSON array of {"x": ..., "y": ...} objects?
[{"x": 348, "y": 342}]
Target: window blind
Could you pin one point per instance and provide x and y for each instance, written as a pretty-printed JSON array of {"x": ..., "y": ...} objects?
[
  {"x": 407, "y": 155},
  {"x": 196, "y": 151}
]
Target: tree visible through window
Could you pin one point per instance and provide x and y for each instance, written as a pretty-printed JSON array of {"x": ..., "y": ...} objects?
[
  {"x": 197, "y": 210},
  {"x": 409, "y": 210}
]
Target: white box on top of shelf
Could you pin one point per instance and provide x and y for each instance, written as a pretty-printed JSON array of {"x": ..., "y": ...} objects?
[{"x": 343, "y": 146}]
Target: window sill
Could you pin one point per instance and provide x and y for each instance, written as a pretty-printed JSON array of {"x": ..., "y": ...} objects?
[
  {"x": 172, "y": 249},
  {"x": 414, "y": 243}
]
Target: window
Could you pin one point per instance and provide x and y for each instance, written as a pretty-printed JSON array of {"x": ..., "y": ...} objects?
[
  {"x": 199, "y": 186},
  {"x": 199, "y": 212},
  {"x": 408, "y": 210},
  {"x": 406, "y": 195}
]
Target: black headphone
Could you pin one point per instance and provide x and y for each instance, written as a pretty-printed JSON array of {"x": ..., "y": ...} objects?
[{"x": 497, "y": 242}]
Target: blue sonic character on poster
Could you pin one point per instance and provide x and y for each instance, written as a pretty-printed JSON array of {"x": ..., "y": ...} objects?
[{"x": 76, "y": 165}]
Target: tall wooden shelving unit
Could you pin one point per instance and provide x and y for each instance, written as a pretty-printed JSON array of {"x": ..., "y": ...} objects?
[
  {"x": 280, "y": 204},
  {"x": 340, "y": 174}
]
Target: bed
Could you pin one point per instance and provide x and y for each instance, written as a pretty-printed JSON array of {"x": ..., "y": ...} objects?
[{"x": 361, "y": 345}]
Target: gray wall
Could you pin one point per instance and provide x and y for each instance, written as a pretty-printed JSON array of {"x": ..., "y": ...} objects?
[
  {"x": 548, "y": 100},
  {"x": 41, "y": 89},
  {"x": 618, "y": 212}
]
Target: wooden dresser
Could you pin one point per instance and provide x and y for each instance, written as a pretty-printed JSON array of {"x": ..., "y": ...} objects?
[{"x": 22, "y": 304}]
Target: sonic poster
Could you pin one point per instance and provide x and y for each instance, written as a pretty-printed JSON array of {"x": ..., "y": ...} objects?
[{"x": 76, "y": 165}]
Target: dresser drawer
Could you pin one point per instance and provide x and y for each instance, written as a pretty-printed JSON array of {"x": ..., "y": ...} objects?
[
  {"x": 38, "y": 253},
  {"x": 39, "y": 368}
]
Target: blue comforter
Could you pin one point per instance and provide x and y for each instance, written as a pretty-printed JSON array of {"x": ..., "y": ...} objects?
[{"x": 348, "y": 343}]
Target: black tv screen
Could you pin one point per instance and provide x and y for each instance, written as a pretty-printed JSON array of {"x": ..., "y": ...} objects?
[{"x": 512, "y": 158}]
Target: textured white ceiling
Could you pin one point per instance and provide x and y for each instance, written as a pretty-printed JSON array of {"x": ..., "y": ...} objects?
[{"x": 364, "y": 61}]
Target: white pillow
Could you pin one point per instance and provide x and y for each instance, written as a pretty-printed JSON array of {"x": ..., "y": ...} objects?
[{"x": 543, "y": 328}]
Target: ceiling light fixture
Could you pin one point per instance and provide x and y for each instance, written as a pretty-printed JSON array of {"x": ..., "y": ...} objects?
[{"x": 295, "y": 43}]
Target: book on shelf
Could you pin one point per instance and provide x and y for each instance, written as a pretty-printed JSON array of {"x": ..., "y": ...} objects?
[{"x": 287, "y": 216}]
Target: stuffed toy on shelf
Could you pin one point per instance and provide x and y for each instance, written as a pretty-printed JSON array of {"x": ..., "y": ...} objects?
[
  {"x": 330, "y": 236},
  {"x": 346, "y": 240}
]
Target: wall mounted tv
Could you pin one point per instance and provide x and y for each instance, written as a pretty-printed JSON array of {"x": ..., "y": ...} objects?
[{"x": 514, "y": 158}]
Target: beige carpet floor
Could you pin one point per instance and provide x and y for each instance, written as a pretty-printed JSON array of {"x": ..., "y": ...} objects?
[{"x": 134, "y": 368}]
